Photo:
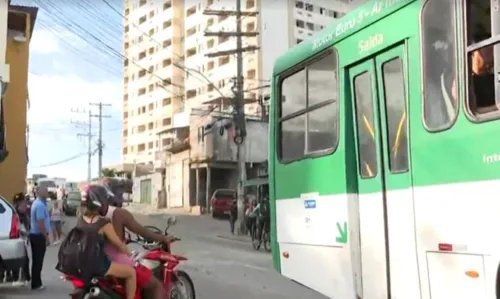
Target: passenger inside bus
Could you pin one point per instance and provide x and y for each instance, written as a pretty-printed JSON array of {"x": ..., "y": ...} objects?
[
  {"x": 440, "y": 64},
  {"x": 481, "y": 61},
  {"x": 482, "y": 97}
]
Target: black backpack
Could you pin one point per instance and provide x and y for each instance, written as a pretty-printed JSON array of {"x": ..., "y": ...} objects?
[{"x": 82, "y": 251}]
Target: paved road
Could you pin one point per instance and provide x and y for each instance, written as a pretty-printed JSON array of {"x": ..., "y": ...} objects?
[{"x": 220, "y": 268}]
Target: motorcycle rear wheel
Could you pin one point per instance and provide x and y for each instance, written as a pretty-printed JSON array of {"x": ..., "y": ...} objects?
[{"x": 182, "y": 287}]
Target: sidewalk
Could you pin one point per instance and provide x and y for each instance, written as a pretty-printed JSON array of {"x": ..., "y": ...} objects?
[
  {"x": 235, "y": 237},
  {"x": 145, "y": 209}
]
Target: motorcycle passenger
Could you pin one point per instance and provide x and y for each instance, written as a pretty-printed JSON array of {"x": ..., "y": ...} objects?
[
  {"x": 121, "y": 220},
  {"x": 91, "y": 217}
]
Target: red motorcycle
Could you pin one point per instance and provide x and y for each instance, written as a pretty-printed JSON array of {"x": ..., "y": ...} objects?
[{"x": 157, "y": 257}]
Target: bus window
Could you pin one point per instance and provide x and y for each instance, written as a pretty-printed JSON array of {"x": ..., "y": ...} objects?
[
  {"x": 322, "y": 86},
  {"x": 293, "y": 99},
  {"x": 439, "y": 50},
  {"x": 481, "y": 37},
  {"x": 365, "y": 125},
  {"x": 308, "y": 112},
  {"x": 395, "y": 106}
]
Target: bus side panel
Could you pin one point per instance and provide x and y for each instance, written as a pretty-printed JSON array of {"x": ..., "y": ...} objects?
[
  {"x": 309, "y": 235},
  {"x": 312, "y": 247}
]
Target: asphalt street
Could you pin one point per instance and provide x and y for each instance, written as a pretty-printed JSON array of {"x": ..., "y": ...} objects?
[{"x": 221, "y": 268}]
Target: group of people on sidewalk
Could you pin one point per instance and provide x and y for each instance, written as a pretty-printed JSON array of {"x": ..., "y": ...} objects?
[
  {"x": 257, "y": 213},
  {"x": 41, "y": 219}
]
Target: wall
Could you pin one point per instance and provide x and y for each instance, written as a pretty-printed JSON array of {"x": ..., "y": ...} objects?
[
  {"x": 177, "y": 180},
  {"x": 13, "y": 169},
  {"x": 155, "y": 187},
  {"x": 222, "y": 147},
  {"x": 275, "y": 32},
  {"x": 4, "y": 69}
]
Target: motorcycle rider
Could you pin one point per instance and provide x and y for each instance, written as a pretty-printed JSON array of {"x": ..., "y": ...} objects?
[{"x": 121, "y": 220}]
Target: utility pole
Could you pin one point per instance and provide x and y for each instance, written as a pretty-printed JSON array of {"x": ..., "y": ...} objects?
[
  {"x": 238, "y": 100},
  {"x": 100, "y": 144},
  {"x": 88, "y": 135}
]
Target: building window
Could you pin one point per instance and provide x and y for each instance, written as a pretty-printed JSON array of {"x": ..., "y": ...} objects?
[
  {"x": 299, "y": 4},
  {"x": 166, "y": 101},
  {"x": 166, "y": 121},
  {"x": 223, "y": 60},
  {"x": 299, "y": 23},
  {"x": 191, "y": 11},
  {"x": 308, "y": 112}
]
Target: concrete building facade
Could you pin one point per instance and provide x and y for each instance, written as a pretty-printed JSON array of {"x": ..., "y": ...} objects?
[
  {"x": 174, "y": 92},
  {"x": 19, "y": 29}
]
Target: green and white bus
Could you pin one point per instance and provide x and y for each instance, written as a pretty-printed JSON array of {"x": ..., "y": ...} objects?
[{"x": 384, "y": 166}]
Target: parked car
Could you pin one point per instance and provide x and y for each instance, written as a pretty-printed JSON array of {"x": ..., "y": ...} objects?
[
  {"x": 12, "y": 239},
  {"x": 72, "y": 202},
  {"x": 221, "y": 201}
]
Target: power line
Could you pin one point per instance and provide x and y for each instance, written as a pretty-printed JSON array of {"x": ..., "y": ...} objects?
[
  {"x": 100, "y": 144},
  {"x": 88, "y": 135},
  {"x": 61, "y": 161},
  {"x": 238, "y": 99},
  {"x": 186, "y": 69},
  {"x": 77, "y": 29}
]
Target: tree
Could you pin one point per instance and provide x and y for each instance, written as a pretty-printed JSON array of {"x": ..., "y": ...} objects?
[{"x": 108, "y": 172}]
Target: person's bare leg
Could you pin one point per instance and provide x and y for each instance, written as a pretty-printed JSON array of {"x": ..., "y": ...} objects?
[
  {"x": 54, "y": 233},
  {"x": 59, "y": 229},
  {"x": 156, "y": 288},
  {"x": 126, "y": 272}
]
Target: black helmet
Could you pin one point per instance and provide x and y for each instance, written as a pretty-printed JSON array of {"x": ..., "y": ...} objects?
[{"x": 95, "y": 196}]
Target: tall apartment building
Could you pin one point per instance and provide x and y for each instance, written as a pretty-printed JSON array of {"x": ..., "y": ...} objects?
[{"x": 157, "y": 93}]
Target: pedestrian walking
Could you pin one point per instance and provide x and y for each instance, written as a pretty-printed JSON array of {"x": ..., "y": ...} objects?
[
  {"x": 55, "y": 212},
  {"x": 233, "y": 216},
  {"x": 39, "y": 236}
]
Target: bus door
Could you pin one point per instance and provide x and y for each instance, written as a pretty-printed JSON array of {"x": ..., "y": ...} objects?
[{"x": 387, "y": 251}]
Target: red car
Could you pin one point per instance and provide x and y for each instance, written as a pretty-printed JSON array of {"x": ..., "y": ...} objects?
[{"x": 221, "y": 201}]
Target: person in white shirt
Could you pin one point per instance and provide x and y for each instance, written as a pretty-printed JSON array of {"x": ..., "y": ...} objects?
[
  {"x": 60, "y": 193},
  {"x": 55, "y": 212}
]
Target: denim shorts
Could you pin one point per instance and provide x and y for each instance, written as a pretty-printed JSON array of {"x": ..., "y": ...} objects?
[{"x": 56, "y": 224}]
